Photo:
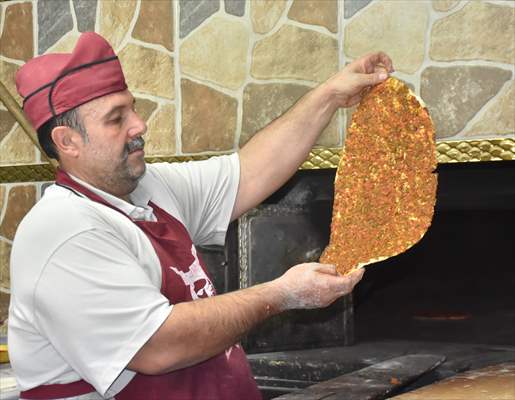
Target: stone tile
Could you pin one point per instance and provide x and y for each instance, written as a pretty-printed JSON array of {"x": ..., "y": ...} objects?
[
  {"x": 16, "y": 148},
  {"x": 3, "y": 328},
  {"x": 208, "y": 118},
  {"x": 193, "y": 13},
  {"x": 160, "y": 136},
  {"x": 316, "y": 12},
  {"x": 454, "y": 95},
  {"x": 20, "y": 200},
  {"x": 155, "y": 23},
  {"x": 66, "y": 44},
  {"x": 444, "y": 5},
  {"x": 148, "y": 70},
  {"x": 7, "y": 121},
  {"x": 217, "y": 52},
  {"x": 351, "y": 7},
  {"x": 262, "y": 103},
  {"x": 7, "y": 77},
  {"x": 4, "y": 312},
  {"x": 115, "y": 19},
  {"x": 499, "y": 116},
  {"x": 54, "y": 20},
  {"x": 2, "y": 198},
  {"x": 17, "y": 40},
  {"x": 85, "y": 12},
  {"x": 471, "y": 34},
  {"x": 295, "y": 53},
  {"x": 145, "y": 108},
  {"x": 5, "y": 281},
  {"x": 235, "y": 7},
  {"x": 398, "y": 27},
  {"x": 330, "y": 136},
  {"x": 264, "y": 14}
]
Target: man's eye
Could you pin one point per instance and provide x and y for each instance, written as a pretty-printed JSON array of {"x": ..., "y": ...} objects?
[{"x": 116, "y": 120}]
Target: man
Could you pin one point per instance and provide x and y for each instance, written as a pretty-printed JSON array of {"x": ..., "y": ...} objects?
[{"x": 104, "y": 268}]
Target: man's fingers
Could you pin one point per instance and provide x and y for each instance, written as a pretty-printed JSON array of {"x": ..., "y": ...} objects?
[
  {"x": 344, "y": 284},
  {"x": 356, "y": 275},
  {"x": 367, "y": 63},
  {"x": 375, "y": 59}
]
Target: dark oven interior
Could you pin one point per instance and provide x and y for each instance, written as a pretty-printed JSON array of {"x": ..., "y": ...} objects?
[{"x": 452, "y": 294}]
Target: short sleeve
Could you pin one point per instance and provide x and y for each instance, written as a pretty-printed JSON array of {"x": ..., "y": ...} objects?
[
  {"x": 97, "y": 307},
  {"x": 204, "y": 192}
]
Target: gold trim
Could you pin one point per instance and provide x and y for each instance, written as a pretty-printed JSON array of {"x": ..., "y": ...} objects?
[{"x": 320, "y": 158}]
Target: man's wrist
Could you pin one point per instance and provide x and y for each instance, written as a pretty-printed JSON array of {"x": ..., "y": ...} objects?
[{"x": 327, "y": 97}]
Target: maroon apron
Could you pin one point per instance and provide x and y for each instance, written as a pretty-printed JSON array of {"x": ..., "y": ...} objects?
[{"x": 184, "y": 278}]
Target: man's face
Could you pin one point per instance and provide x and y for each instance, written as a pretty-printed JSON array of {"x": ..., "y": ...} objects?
[{"x": 112, "y": 157}]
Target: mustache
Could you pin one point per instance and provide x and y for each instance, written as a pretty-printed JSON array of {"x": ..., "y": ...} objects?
[{"x": 135, "y": 144}]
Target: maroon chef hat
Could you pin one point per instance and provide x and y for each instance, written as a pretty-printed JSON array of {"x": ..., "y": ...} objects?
[{"x": 54, "y": 83}]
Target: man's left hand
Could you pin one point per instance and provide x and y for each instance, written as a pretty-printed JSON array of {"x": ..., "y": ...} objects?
[{"x": 347, "y": 86}]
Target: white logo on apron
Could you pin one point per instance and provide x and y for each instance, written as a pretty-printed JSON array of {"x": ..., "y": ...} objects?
[{"x": 196, "y": 274}]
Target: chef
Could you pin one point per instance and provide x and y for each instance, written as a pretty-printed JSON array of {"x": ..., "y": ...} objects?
[{"x": 110, "y": 298}]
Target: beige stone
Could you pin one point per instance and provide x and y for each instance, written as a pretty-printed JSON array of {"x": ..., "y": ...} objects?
[
  {"x": 7, "y": 121},
  {"x": 208, "y": 118},
  {"x": 217, "y": 52},
  {"x": 160, "y": 136},
  {"x": 5, "y": 254},
  {"x": 2, "y": 198},
  {"x": 115, "y": 19},
  {"x": 264, "y": 14},
  {"x": 7, "y": 77},
  {"x": 396, "y": 27},
  {"x": 4, "y": 312},
  {"x": 316, "y": 12},
  {"x": 20, "y": 200},
  {"x": 144, "y": 108},
  {"x": 66, "y": 44},
  {"x": 16, "y": 148},
  {"x": 454, "y": 95},
  {"x": 499, "y": 116},
  {"x": 155, "y": 23},
  {"x": 295, "y": 53},
  {"x": 262, "y": 103},
  {"x": 148, "y": 71},
  {"x": 3, "y": 328},
  {"x": 17, "y": 40},
  {"x": 444, "y": 5},
  {"x": 478, "y": 31}
]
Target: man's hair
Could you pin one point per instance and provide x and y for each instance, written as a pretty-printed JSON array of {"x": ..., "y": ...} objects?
[{"x": 68, "y": 118}]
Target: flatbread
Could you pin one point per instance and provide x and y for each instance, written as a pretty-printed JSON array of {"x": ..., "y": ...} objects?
[
  {"x": 385, "y": 187},
  {"x": 496, "y": 382}
]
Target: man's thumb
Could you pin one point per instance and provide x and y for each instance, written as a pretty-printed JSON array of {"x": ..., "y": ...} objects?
[
  {"x": 326, "y": 269},
  {"x": 374, "y": 78}
]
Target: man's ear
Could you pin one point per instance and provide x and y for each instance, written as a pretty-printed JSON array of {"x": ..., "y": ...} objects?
[{"x": 67, "y": 141}]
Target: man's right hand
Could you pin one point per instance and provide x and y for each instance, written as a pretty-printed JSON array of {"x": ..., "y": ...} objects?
[{"x": 313, "y": 285}]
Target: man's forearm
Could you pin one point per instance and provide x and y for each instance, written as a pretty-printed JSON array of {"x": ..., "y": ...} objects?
[
  {"x": 274, "y": 154},
  {"x": 198, "y": 330}
]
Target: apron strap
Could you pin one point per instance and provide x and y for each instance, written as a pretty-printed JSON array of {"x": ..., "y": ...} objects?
[{"x": 57, "y": 391}]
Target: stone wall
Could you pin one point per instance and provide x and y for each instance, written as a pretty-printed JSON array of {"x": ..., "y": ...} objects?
[{"x": 208, "y": 74}]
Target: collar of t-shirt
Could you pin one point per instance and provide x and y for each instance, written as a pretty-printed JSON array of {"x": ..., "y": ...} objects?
[{"x": 140, "y": 210}]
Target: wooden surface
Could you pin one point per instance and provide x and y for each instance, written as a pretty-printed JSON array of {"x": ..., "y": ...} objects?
[
  {"x": 372, "y": 382},
  {"x": 496, "y": 382}
]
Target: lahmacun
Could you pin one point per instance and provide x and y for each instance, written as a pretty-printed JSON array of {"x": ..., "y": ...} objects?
[{"x": 385, "y": 188}]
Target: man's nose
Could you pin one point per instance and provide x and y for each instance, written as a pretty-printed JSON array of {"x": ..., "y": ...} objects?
[{"x": 138, "y": 126}]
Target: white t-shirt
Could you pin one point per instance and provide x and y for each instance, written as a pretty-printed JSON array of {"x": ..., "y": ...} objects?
[{"x": 85, "y": 280}]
